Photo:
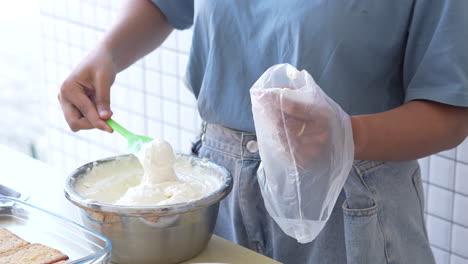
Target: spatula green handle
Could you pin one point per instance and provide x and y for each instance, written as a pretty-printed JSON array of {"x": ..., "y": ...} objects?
[{"x": 120, "y": 129}]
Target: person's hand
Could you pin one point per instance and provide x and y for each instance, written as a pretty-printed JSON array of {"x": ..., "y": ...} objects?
[
  {"x": 85, "y": 94},
  {"x": 306, "y": 146},
  {"x": 301, "y": 127}
]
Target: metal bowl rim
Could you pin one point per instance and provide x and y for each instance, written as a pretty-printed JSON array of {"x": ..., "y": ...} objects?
[{"x": 146, "y": 210}]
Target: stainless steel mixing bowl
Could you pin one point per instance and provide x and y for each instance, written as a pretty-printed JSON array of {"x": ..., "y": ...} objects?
[{"x": 152, "y": 234}]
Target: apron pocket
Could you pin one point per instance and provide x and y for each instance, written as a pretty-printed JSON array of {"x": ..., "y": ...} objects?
[{"x": 363, "y": 235}]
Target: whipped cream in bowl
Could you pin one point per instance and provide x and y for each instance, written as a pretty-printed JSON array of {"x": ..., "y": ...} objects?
[
  {"x": 160, "y": 178},
  {"x": 163, "y": 204}
]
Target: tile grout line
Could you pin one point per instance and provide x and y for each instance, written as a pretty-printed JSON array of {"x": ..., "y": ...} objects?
[
  {"x": 195, "y": 130},
  {"x": 161, "y": 96},
  {"x": 145, "y": 106},
  {"x": 426, "y": 197},
  {"x": 76, "y": 23},
  {"x": 445, "y": 188},
  {"x": 55, "y": 39},
  {"x": 453, "y": 204},
  {"x": 449, "y": 252},
  {"x": 446, "y": 220},
  {"x": 179, "y": 135},
  {"x": 68, "y": 38},
  {"x": 82, "y": 138},
  {"x": 452, "y": 159}
]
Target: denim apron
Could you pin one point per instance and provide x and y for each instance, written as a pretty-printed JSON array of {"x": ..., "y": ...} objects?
[{"x": 378, "y": 217}]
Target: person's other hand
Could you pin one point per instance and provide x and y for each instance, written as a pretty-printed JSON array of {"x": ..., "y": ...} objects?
[
  {"x": 85, "y": 95},
  {"x": 302, "y": 128},
  {"x": 306, "y": 146}
]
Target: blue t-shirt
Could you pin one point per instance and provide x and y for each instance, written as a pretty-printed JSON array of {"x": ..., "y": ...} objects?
[{"x": 369, "y": 56}]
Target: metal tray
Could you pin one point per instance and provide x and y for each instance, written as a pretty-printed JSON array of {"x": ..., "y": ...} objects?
[{"x": 37, "y": 225}]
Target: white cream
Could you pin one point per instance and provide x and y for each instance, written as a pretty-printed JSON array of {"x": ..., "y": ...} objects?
[
  {"x": 157, "y": 159},
  {"x": 165, "y": 180}
]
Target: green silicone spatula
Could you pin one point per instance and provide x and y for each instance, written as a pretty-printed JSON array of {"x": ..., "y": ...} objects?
[{"x": 134, "y": 142}]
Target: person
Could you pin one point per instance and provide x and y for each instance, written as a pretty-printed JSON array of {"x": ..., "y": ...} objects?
[{"x": 398, "y": 68}]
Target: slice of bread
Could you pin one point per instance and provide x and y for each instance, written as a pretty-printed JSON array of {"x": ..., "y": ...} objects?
[
  {"x": 9, "y": 241},
  {"x": 32, "y": 254},
  {"x": 61, "y": 262}
]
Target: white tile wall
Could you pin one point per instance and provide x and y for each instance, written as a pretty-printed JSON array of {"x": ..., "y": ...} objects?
[
  {"x": 462, "y": 154},
  {"x": 440, "y": 201},
  {"x": 460, "y": 216},
  {"x": 441, "y": 256},
  {"x": 439, "y": 232},
  {"x": 459, "y": 236},
  {"x": 150, "y": 98},
  {"x": 442, "y": 171},
  {"x": 21, "y": 104},
  {"x": 462, "y": 176},
  {"x": 445, "y": 177},
  {"x": 458, "y": 260}
]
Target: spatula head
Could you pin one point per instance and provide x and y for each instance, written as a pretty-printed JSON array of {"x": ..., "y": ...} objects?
[{"x": 135, "y": 143}]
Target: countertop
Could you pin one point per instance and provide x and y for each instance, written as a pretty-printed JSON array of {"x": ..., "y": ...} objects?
[{"x": 45, "y": 187}]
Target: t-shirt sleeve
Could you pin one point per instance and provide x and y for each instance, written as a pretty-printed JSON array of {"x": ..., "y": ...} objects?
[
  {"x": 436, "y": 57},
  {"x": 179, "y": 13}
]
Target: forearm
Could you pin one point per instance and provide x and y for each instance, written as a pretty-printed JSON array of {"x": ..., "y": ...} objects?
[
  {"x": 413, "y": 130},
  {"x": 140, "y": 28}
]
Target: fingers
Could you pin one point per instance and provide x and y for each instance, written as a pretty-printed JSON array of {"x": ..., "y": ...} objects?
[
  {"x": 298, "y": 104},
  {"x": 102, "y": 86},
  {"x": 291, "y": 104},
  {"x": 79, "y": 110},
  {"x": 74, "y": 118},
  {"x": 298, "y": 123},
  {"x": 88, "y": 110}
]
